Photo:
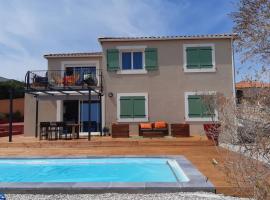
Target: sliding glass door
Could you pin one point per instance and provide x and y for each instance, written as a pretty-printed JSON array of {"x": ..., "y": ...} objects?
[{"x": 95, "y": 116}]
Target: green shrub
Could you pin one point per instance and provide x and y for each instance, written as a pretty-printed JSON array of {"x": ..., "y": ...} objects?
[
  {"x": 17, "y": 116},
  {"x": 16, "y": 85},
  {"x": 2, "y": 116}
]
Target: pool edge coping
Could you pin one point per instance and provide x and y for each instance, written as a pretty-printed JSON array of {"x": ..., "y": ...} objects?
[{"x": 197, "y": 181}]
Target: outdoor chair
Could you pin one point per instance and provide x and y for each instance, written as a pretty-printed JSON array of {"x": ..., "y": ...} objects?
[
  {"x": 53, "y": 133},
  {"x": 57, "y": 79},
  {"x": 40, "y": 81},
  {"x": 71, "y": 79},
  {"x": 44, "y": 130},
  {"x": 63, "y": 131}
]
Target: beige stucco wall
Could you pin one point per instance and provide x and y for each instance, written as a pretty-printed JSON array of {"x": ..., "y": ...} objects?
[
  {"x": 48, "y": 108},
  {"x": 18, "y": 105},
  {"x": 56, "y": 63},
  {"x": 47, "y": 112},
  {"x": 167, "y": 85}
]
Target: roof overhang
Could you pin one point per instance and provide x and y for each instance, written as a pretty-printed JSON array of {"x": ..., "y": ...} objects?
[
  {"x": 74, "y": 55},
  {"x": 63, "y": 94},
  {"x": 184, "y": 37}
]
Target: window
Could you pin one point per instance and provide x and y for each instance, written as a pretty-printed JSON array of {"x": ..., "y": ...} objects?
[
  {"x": 132, "y": 107},
  {"x": 199, "y": 58},
  {"x": 78, "y": 73},
  {"x": 126, "y": 61},
  {"x": 137, "y": 60},
  {"x": 198, "y": 106},
  {"x": 132, "y": 60}
]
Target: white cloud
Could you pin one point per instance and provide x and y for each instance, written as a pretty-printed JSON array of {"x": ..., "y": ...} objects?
[{"x": 30, "y": 28}]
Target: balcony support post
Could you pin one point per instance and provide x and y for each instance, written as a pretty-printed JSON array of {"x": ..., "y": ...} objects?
[
  {"x": 100, "y": 114},
  {"x": 89, "y": 113},
  {"x": 36, "y": 127},
  {"x": 10, "y": 115}
]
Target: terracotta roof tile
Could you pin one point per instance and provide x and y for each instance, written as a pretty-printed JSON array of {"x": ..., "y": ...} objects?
[
  {"x": 169, "y": 37},
  {"x": 251, "y": 84},
  {"x": 85, "y": 54}
]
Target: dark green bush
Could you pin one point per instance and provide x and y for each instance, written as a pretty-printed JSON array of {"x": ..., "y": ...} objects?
[
  {"x": 17, "y": 116},
  {"x": 2, "y": 116},
  {"x": 11, "y": 84}
]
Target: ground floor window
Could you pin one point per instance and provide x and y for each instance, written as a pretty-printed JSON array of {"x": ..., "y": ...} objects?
[
  {"x": 200, "y": 106},
  {"x": 132, "y": 107}
]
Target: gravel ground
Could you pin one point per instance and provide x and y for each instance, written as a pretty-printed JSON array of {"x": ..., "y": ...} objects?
[{"x": 116, "y": 196}]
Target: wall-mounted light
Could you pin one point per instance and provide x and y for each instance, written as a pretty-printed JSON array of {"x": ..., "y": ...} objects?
[{"x": 110, "y": 94}]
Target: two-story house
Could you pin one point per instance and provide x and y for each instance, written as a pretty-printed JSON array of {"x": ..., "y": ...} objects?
[{"x": 144, "y": 79}]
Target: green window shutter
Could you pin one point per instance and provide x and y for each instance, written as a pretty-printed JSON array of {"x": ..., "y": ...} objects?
[
  {"x": 151, "y": 59},
  {"x": 112, "y": 59},
  {"x": 206, "y": 57},
  {"x": 197, "y": 108},
  {"x": 208, "y": 110},
  {"x": 193, "y": 58},
  {"x": 126, "y": 107},
  {"x": 139, "y": 107},
  {"x": 194, "y": 106}
]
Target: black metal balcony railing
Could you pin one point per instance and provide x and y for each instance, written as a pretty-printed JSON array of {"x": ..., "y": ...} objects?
[{"x": 57, "y": 79}]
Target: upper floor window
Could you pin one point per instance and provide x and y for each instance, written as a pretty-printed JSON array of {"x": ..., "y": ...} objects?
[
  {"x": 199, "y": 58},
  {"x": 132, "y": 59},
  {"x": 77, "y": 74}
]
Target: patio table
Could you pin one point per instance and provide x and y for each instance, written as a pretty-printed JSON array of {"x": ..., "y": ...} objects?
[{"x": 75, "y": 134}]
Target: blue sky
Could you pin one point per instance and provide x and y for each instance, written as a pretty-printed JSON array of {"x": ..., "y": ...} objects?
[{"x": 31, "y": 28}]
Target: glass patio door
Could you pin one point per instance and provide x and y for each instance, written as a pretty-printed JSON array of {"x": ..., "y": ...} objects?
[{"x": 95, "y": 116}]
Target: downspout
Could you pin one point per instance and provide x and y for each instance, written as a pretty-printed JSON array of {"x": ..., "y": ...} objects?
[{"x": 233, "y": 69}]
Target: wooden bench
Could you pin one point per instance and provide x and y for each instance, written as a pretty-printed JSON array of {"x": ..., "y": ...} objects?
[
  {"x": 120, "y": 130},
  {"x": 180, "y": 130}
]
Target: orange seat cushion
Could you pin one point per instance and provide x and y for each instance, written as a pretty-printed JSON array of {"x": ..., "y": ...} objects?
[
  {"x": 69, "y": 80},
  {"x": 146, "y": 125},
  {"x": 160, "y": 124}
]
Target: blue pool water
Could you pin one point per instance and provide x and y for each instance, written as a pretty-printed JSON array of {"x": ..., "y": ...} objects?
[{"x": 91, "y": 170}]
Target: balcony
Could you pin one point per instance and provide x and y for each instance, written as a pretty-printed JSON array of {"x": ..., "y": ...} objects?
[{"x": 69, "y": 79}]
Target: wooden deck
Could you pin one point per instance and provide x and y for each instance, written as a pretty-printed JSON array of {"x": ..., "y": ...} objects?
[{"x": 197, "y": 149}]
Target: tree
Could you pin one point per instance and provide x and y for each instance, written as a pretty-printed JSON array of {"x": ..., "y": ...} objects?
[
  {"x": 11, "y": 84},
  {"x": 252, "y": 24},
  {"x": 244, "y": 129}
]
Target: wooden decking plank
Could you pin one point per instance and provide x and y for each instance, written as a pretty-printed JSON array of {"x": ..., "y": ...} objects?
[{"x": 197, "y": 149}]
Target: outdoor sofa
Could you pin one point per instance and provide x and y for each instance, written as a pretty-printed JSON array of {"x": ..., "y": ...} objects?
[{"x": 155, "y": 129}]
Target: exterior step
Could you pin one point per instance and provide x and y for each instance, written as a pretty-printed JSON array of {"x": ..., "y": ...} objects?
[{"x": 116, "y": 143}]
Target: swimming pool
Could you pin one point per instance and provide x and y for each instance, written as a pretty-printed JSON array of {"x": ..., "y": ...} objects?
[
  {"x": 101, "y": 174},
  {"x": 91, "y": 170}
]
